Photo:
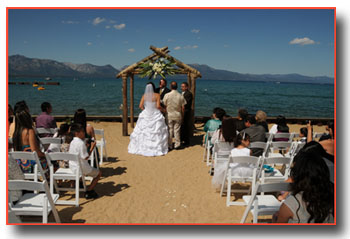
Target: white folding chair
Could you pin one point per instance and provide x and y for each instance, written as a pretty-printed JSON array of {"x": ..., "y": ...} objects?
[
  {"x": 66, "y": 174},
  {"x": 221, "y": 154},
  {"x": 94, "y": 159},
  {"x": 281, "y": 147},
  {"x": 34, "y": 204},
  {"x": 47, "y": 141},
  {"x": 101, "y": 144},
  {"x": 268, "y": 137},
  {"x": 276, "y": 175},
  {"x": 229, "y": 178},
  {"x": 263, "y": 204},
  {"x": 41, "y": 131},
  {"x": 38, "y": 170},
  {"x": 277, "y": 136},
  {"x": 207, "y": 146},
  {"x": 260, "y": 145}
]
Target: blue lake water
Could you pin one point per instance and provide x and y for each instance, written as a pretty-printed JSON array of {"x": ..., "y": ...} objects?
[{"x": 104, "y": 97}]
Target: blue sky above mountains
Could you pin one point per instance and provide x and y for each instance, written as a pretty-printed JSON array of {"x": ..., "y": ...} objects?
[{"x": 257, "y": 41}]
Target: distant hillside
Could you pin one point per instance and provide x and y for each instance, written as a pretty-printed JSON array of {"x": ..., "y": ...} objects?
[{"x": 32, "y": 67}]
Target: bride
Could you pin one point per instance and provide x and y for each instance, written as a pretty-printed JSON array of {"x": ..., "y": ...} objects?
[{"x": 150, "y": 136}]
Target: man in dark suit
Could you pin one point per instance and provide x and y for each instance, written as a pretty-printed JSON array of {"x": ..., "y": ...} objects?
[
  {"x": 186, "y": 123},
  {"x": 162, "y": 89}
]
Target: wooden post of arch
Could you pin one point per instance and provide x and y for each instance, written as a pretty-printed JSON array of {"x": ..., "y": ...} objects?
[
  {"x": 193, "y": 90},
  {"x": 132, "y": 101},
  {"x": 189, "y": 81},
  {"x": 125, "y": 105}
]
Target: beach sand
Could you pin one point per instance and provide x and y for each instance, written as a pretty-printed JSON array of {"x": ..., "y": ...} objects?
[{"x": 175, "y": 188}]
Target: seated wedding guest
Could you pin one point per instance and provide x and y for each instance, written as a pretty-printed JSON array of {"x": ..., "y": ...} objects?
[
  {"x": 80, "y": 118},
  {"x": 256, "y": 133},
  {"x": 214, "y": 123},
  {"x": 226, "y": 132},
  {"x": 61, "y": 133},
  {"x": 242, "y": 141},
  {"x": 25, "y": 139},
  {"x": 21, "y": 105},
  {"x": 77, "y": 146},
  {"x": 242, "y": 115},
  {"x": 9, "y": 122},
  {"x": 45, "y": 120},
  {"x": 280, "y": 127},
  {"x": 311, "y": 197},
  {"x": 328, "y": 144},
  {"x": 303, "y": 135},
  {"x": 260, "y": 118}
]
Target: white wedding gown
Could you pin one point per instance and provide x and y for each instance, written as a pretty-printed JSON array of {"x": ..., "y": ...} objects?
[{"x": 150, "y": 135}]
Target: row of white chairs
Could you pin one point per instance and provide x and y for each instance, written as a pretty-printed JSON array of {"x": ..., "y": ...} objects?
[
  {"x": 101, "y": 144},
  {"x": 32, "y": 203}
]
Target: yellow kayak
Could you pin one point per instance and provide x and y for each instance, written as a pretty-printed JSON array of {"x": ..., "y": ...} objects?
[
  {"x": 41, "y": 88},
  {"x": 35, "y": 85}
]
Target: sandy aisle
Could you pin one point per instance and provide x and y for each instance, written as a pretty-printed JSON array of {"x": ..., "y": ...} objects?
[{"x": 175, "y": 188}]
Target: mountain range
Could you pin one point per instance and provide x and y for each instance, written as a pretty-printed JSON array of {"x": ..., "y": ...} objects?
[{"x": 21, "y": 66}]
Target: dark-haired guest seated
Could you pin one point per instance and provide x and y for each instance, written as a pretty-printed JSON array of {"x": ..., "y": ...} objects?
[
  {"x": 241, "y": 117},
  {"x": 256, "y": 133},
  {"x": 280, "y": 127},
  {"x": 45, "y": 120},
  {"x": 308, "y": 202},
  {"x": 77, "y": 146}
]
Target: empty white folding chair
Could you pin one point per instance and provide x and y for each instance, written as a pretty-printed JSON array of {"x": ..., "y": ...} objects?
[
  {"x": 263, "y": 204},
  {"x": 94, "y": 159},
  {"x": 66, "y": 174},
  {"x": 101, "y": 144},
  {"x": 34, "y": 204},
  {"x": 207, "y": 146},
  {"x": 229, "y": 178},
  {"x": 221, "y": 154},
  {"x": 276, "y": 175},
  {"x": 38, "y": 171}
]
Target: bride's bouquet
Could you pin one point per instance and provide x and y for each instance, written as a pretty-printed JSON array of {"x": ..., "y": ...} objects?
[{"x": 161, "y": 67}]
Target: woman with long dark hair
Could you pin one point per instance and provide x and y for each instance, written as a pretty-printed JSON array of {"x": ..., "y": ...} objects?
[
  {"x": 311, "y": 198},
  {"x": 25, "y": 139}
]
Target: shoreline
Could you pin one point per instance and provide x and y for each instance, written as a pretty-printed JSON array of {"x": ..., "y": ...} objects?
[{"x": 198, "y": 119}]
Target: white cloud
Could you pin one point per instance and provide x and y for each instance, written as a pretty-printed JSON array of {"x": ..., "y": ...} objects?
[
  {"x": 70, "y": 22},
  {"x": 195, "y": 31},
  {"x": 131, "y": 50},
  {"x": 177, "y": 48},
  {"x": 97, "y": 21},
  {"x": 120, "y": 26},
  {"x": 107, "y": 27},
  {"x": 112, "y": 21},
  {"x": 302, "y": 41},
  {"x": 190, "y": 47},
  {"x": 89, "y": 43}
]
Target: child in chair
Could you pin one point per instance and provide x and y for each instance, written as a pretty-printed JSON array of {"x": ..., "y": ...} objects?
[{"x": 77, "y": 146}]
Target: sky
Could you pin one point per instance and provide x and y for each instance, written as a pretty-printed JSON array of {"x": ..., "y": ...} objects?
[{"x": 257, "y": 41}]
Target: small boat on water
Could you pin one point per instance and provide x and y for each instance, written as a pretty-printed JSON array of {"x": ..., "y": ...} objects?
[
  {"x": 35, "y": 85},
  {"x": 48, "y": 78},
  {"x": 41, "y": 88}
]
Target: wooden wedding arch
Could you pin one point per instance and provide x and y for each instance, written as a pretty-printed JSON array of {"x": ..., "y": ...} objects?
[{"x": 134, "y": 69}]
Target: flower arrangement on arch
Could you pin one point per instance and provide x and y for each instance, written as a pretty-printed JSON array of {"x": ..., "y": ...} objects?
[{"x": 161, "y": 67}]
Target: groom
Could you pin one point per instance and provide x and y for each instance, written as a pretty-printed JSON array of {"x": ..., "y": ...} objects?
[{"x": 175, "y": 105}]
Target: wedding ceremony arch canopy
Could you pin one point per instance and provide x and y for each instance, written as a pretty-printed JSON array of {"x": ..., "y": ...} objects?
[{"x": 134, "y": 69}]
